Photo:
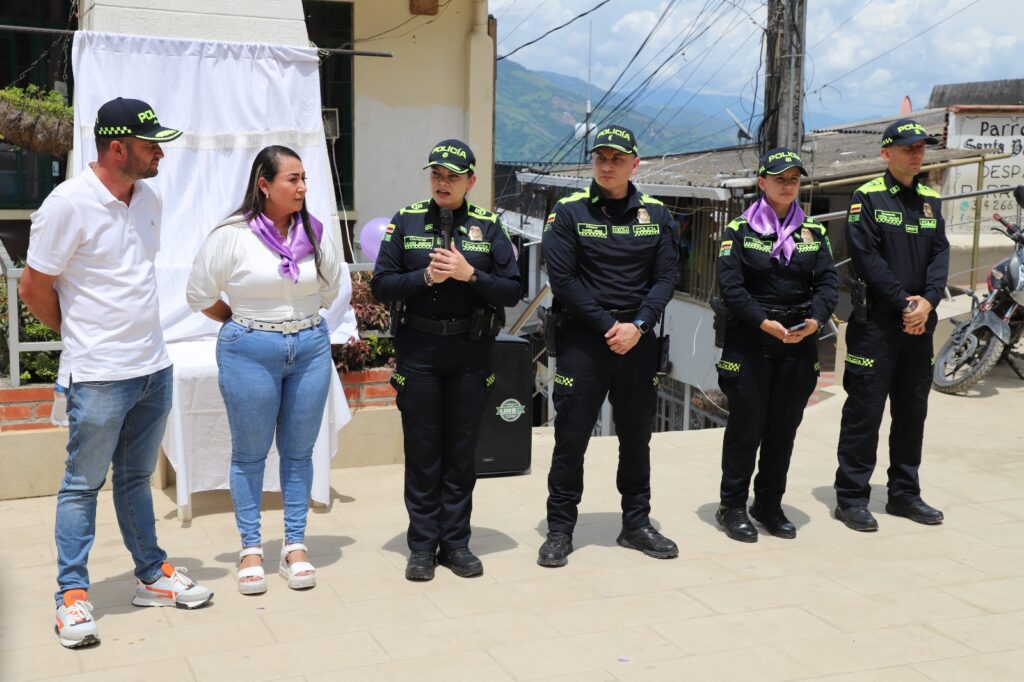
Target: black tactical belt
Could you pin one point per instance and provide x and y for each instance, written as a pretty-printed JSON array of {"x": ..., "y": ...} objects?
[
  {"x": 624, "y": 315},
  {"x": 439, "y": 327},
  {"x": 788, "y": 314}
]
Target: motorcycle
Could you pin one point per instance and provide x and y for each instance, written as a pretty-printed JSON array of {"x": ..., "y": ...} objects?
[{"x": 996, "y": 323}]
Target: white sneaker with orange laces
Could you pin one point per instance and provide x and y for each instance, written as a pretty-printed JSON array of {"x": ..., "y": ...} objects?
[
  {"x": 172, "y": 589},
  {"x": 75, "y": 626}
]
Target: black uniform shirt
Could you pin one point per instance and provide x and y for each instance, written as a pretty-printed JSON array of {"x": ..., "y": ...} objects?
[
  {"x": 404, "y": 255},
  {"x": 897, "y": 240},
  {"x": 748, "y": 275},
  {"x": 599, "y": 261}
]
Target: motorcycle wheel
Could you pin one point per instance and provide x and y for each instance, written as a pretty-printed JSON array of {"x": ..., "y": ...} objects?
[{"x": 965, "y": 359}]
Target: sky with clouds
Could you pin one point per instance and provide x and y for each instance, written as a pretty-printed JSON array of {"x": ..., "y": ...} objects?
[{"x": 982, "y": 41}]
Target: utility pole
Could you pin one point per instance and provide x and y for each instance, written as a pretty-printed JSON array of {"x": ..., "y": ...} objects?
[{"x": 784, "y": 74}]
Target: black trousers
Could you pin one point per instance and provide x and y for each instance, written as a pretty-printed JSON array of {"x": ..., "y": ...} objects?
[
  {"x": 767, "y": 383},
  {"x": 441, "y": 383},
  {"x": 883, "y": 362},
  {"x": 587, "y": 372}
]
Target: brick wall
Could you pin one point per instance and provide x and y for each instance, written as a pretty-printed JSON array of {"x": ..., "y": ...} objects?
[
  {"x": 368, "y": 388},
  {"x": 26, "y": 408}
]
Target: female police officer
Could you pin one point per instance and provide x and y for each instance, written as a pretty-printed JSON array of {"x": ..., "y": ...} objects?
[
  {"x": 778, "y": 282},
  {"x": 449, "y": 268}
]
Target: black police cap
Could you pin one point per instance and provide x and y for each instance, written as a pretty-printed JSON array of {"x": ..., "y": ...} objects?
[{"x": 906, "y": 132}]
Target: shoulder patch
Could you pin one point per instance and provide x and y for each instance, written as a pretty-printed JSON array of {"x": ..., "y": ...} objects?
[
  {"x": 481, "y": 213},
  {"x": 418, "y": 207},
  {"x": 876, "y": 185},
  {"x": 648, "y": 199},
  {"x": 736, "y": 223},
  {"x": 814, "y": 225},
  {"x": 926, "y": 191},
  {"x": 575, "y": 196}
]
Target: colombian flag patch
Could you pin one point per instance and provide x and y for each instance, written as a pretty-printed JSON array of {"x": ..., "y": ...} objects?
[
  {"x": 854, "y": 208},
  {"x": 726, "y": 248}
]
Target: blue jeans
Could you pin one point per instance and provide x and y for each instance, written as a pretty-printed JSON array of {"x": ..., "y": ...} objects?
[
  {"x": 119, "y": 423},
  {"x": 273, "y": 382}
]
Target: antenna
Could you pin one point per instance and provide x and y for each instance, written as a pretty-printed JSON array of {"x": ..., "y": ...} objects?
[{"x": 741, "y": 130}]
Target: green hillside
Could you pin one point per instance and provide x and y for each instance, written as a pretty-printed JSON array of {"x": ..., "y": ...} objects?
[{"x": 533, "y": 120}]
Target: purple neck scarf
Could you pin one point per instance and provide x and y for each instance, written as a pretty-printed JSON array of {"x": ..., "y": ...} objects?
[
  {"x": 763, "y": 220},
  {"x": 291, "y": 251}
]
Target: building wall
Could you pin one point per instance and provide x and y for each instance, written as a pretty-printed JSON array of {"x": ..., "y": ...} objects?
[
  {"x": 996, "y": 132},
  {"x": 439, "y": 84}
]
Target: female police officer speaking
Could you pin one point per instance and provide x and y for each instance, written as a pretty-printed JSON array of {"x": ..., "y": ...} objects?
[
  {"x": 449, "y": 268},
  {"x": 778, "y": 282}
]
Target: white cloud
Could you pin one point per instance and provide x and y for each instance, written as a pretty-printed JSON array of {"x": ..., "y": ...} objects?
[{"x": 980, "y": 43}]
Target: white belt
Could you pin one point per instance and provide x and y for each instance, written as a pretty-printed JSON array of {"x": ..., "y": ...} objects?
[{"x": 287, "y": 327}]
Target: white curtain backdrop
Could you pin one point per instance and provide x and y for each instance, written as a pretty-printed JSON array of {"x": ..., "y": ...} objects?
[{"x": 231, "y": 99}]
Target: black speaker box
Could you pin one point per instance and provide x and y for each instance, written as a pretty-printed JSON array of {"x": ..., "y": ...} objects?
[{"x": 503, "y": 446}]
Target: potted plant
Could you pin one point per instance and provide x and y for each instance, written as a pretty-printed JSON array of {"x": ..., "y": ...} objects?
[
  {"x": 366, "y": 363},
  {"x": 36, "y": 120}
]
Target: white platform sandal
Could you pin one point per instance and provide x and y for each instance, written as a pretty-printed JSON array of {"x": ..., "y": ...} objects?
[
  {"x": 290, "y": 572},
  {"x": 251, "y": 580}
]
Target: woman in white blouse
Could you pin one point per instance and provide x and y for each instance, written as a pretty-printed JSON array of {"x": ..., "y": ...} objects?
[{"x": 273, "y": 350}]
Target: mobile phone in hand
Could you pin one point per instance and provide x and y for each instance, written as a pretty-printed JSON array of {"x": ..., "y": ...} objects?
[{"x": 796, "y": 327}]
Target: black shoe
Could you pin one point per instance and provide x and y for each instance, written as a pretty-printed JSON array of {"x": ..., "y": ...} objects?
[
  {"x": 774, "y": 521},
  {"x": 857, "y": 518},
  {"x": 736, "y": 523},
  {"x": 916, "y": 510},
  {"x": 421, "y": 565},
  {"x": 649, "y": 541},
  {"x": 463, "y": 562},
  {"x": 556, "y": 550}
]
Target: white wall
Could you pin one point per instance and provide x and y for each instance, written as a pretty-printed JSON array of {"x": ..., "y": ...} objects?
[{"x": 692, "y": 351}]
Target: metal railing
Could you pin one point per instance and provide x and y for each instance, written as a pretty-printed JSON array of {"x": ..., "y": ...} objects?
[{"x": 15, "y": 346}]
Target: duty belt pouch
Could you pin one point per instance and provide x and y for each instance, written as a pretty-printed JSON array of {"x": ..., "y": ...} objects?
[
  {"x": 396, "y": 310},
  {"x": 664, "y": 341},
  {"x": 859, "y": 299},
  {"x": 721, "y": 320},
  {"x": 486, "y": 321},
  {"x": 553, "y": 319}
]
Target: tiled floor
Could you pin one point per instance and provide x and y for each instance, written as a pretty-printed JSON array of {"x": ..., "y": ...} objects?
[{"x": 909, "y": 603}]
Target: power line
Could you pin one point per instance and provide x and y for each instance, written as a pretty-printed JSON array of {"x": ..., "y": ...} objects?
[
  {"x": 556, "y": 28},
  {"x": 540, "y": 3},
  {"x": 841, "y": 24},
  {"x": 444, "y": 7},
  {"x": 894, "y": 48}
]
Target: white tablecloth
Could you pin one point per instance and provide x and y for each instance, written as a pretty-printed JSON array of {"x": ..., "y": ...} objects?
[{"x": 197, "y": 441}]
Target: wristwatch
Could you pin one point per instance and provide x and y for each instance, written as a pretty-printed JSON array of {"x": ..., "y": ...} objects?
[
  {"x": 473, "y": 278},
  {"x": 642, "y": 326},
  {"x": 427, "y": 279}
]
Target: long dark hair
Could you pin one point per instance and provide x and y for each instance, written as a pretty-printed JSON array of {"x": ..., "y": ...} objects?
[{"x": 266, "y": 165}]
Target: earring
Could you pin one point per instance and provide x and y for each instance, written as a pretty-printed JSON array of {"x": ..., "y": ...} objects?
[{"x": 266, "y": 194}]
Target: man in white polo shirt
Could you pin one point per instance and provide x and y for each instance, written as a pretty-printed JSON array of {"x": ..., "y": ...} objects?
[{"x": 90, "y": 275}]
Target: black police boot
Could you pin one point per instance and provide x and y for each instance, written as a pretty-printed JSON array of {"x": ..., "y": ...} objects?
[
  {"x": 556, "y": 550},
  {"x": 649, "y": 541},
  {"x": 857, "y": 518},
  {"x": 774, "y": 521},
  {"x": 736, "y": 523},
  {"x": 915, "y": 510},
  {"x": 463, "y": 562},
  {"x": 421, "y": 565}
]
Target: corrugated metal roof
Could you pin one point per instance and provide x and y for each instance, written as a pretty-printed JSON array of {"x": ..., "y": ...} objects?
[{"x": 830, "y": 153}]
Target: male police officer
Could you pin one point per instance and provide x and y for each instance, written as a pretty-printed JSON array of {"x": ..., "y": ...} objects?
[
  {"x": 611, "y": 261},
  {"x": 897, "y": 240}
]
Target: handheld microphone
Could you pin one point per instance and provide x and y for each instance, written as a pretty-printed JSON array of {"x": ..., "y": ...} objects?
[{"x": 446, "y": 227}]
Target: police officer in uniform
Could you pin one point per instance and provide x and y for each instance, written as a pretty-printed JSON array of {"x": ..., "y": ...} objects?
[
  {"x": 611, "y": 259},
  {"x": 897, "y": 241},
  {"x": 450, "y": 298},
  {"x": 778, "y": 283}
]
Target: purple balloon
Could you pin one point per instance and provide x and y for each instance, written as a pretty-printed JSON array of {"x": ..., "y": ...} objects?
[{"x": 370, "y": 236}]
